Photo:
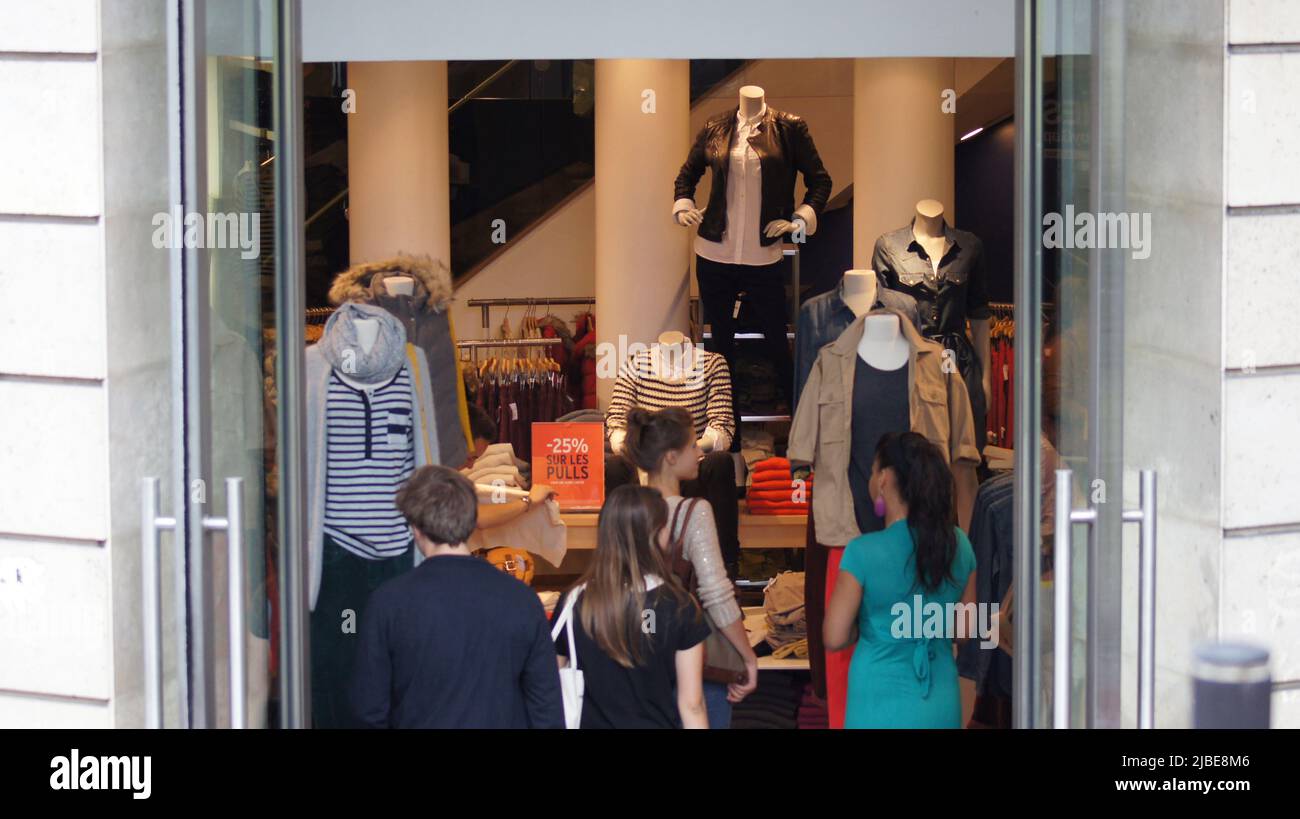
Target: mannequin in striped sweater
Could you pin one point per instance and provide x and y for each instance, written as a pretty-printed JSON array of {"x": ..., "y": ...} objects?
[{"x": 677, "y": 373}]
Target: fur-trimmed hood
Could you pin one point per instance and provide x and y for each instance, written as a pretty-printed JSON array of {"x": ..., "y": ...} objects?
[{"x": 359, "y": 282}]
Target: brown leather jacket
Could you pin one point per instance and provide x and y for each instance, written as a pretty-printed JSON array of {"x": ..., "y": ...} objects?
[{"x": 821, "y": 432}]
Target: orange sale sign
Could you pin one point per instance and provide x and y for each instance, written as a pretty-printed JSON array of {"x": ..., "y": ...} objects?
[{"x": 570, "y": 458}]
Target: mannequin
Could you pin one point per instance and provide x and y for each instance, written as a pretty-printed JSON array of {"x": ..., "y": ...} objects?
[
  {"x": 755, "y": 154},
  {"x": 367, "y": 333},
  {"x": 928, "y": 228},
  {"x": 400, "y": 285},
  {"x": 938, "y": 241},
  {"x": 883, "y": 345},
  {"x": 676, "y": 360},
  {"x": 859, "y": 291},
  {"x": 676, "y": 372},
  {"x": 366, "y": 433}
]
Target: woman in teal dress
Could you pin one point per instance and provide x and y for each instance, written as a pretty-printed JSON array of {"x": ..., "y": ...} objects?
[{"x": 903, "y": 674}]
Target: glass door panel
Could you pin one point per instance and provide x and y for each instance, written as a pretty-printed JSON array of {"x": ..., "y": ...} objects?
[{"x": 231, "y": 72}]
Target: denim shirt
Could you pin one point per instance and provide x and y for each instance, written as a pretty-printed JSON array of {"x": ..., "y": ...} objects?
[
  {"x": 823, "y": 317},
  {"x": 944, "y": 302}
]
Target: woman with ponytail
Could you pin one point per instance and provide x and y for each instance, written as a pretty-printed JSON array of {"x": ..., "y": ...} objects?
[
  {"x": 903, "y": 674},
  {"x": 663, "y": 444},
  {"x": 638, "y": 634}
]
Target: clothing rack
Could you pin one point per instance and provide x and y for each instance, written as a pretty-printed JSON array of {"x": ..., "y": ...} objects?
[
  {"x": 475, "y": 346},
  {"x": 486, "y": 305}
]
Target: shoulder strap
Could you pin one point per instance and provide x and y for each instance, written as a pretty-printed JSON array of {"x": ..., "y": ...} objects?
[{"x": 677, "y": 563}]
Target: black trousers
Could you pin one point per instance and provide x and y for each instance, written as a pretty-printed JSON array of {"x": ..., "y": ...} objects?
[
  {"x": 720, "y": 284},
  {"x": 716, "y": 484}
]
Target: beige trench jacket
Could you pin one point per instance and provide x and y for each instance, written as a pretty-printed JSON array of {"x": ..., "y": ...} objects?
[{"x": 820, "y": 435}]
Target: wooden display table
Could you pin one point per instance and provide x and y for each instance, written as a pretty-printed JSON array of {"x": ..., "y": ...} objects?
[{"x": 756, "y": 531}]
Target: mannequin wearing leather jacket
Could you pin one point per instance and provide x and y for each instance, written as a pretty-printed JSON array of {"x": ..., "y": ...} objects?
[{"x": 755, "y": 153}]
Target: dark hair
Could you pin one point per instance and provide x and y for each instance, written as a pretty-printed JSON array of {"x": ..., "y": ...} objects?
[
  {"x": 481, "y": 424},
  {"x": 925, "y": 484},
  {"x": 627, "y": 549},
  {"x": 440, "y": 503},
  {"x": 653, "y": 434}
]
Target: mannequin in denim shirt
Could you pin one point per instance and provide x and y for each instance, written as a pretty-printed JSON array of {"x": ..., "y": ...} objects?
[{"x": 822, "y": 318}]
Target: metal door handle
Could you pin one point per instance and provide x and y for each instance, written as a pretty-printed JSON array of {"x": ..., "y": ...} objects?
[
  {"x": 233, "y": 525},
  {"x": 1145, "y": 515},
  {"x": 150, "y": 559}
]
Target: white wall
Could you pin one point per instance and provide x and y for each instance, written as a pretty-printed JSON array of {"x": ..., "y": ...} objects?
[
  {"x": 85, "y": 353},
  {"x": 556, "y": 258},
  {"x": 54, "y": 512},
  {"x": 669, "y": 29},
  {"x": 1260, "y": 590}
]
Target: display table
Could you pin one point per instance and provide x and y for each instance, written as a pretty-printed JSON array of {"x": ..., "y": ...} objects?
[{"x": 756, "y": 531}]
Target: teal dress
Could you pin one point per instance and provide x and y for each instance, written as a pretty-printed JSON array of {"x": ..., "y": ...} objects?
[{"x": 902, "y": 675}]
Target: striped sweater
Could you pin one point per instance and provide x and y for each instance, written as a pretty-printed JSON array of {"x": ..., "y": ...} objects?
[
  {"x": 370, "y": 455},
  {"x": 703, "y": 389}
]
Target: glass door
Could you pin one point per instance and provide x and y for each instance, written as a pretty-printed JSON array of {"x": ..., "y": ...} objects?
[
  {"x": 238, "y": 288},
  {"x": 1073, "y": 612}
]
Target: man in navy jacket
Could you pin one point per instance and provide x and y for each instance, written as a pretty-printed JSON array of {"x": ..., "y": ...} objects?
[{"x": 454, "y": 643}]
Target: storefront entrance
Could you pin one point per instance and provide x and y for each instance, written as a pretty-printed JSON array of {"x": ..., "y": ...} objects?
[{"x": 1088, "y": 395}]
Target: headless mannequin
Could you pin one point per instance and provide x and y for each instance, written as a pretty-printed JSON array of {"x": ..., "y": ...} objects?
[
  {"x": 367, "y": 333},
  {"x": 676, "y": 351},
  {"x": 928, "y": 228},
  {"x": 752, "y": 100},
  {"x": 400, "y": 285},
  {"x": 676, "y": 354},
  {"x": 860, "y": 290}
]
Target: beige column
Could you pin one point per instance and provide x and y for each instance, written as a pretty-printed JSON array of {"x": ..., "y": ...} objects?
[
  {"x": 397, "y": 161},
  {"x": 903, "y": 145},
  {"x": 642, "y": 255}
]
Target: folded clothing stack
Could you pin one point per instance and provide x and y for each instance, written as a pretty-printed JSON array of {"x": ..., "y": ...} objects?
[
  {"x": 756, "y": 446},
  {"x": 497, "y": 463},
  {"x": 772, "y": 490},
  {"x": 783, "y": 602}
]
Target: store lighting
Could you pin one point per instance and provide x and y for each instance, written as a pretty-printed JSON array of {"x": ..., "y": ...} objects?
[{"x": 971, "y": 134}]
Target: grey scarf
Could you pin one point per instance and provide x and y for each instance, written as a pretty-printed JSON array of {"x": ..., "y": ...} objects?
[{"x": 341, "y": 349}]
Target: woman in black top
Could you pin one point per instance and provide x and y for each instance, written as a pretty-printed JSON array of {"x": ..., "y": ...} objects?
[{"x": 636, "y": 630}]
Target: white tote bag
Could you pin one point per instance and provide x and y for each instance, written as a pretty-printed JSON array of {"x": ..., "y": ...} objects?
[{"x": 571, "y": 681}]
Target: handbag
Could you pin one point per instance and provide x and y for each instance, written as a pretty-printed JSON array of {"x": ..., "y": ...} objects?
[
  {"x": 572, "y": 684},
  {"x": 722, "y": 662}
]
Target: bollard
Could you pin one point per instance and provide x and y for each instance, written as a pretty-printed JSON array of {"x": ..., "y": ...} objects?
[{"x": 1231, "y": 686}]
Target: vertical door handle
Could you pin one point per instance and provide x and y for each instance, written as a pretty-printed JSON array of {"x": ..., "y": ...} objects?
[
  {"x": 1145, "y": 516},
  {"x": 1063, "y": 525},
  {"x": 233, "y": 525},
  {"x": 150, "y": 560}
]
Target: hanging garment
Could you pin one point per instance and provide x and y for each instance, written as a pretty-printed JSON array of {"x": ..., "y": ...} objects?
[
  {"x": 427, "y": 322},
  {"x": 518, "y": 392}
]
